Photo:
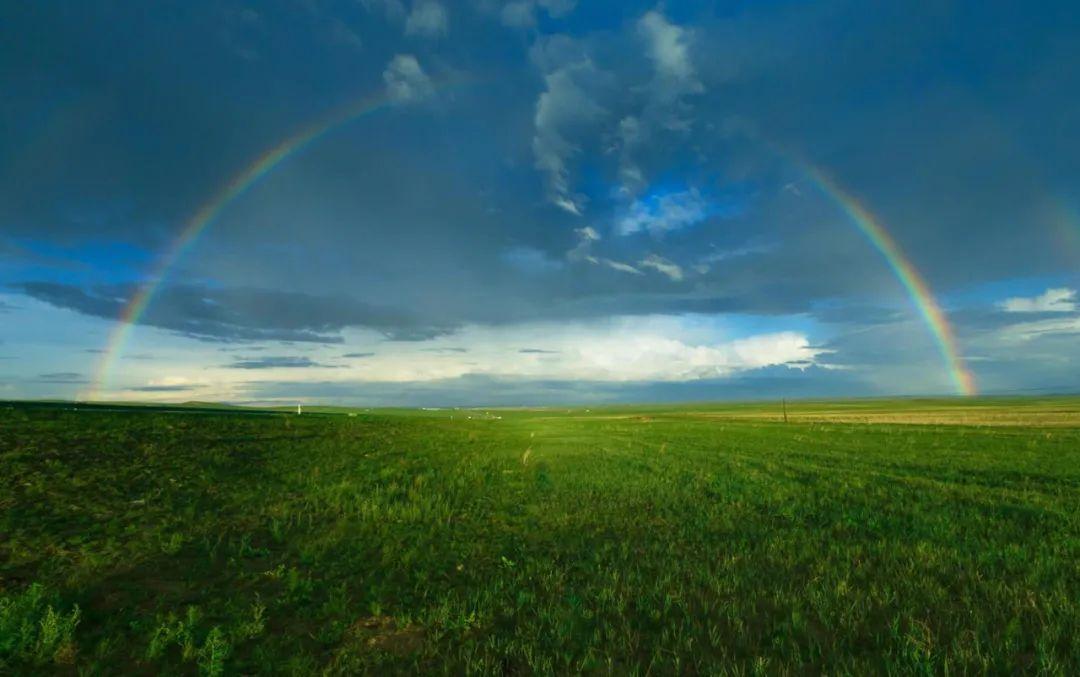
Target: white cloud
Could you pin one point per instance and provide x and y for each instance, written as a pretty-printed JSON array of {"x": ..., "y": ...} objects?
[
  {"x": 562, "y": 110},
  {"x": 622, "y": 349},
  {"x": 405, "y": 80},
  {"x": 428, "y": 19},
  {"x": 1060, "y": 300},
  {"x": 662, "y": 265},
  {"x": 586, "y": 236},
  {"x": 651, "y": 357},
  {"x": 1027, "y": 331},
  {"x": 668, "y": 49},
  {"x": 674, "y": 78},
  {"x": 661, "y": 213},
  {"x": 582, "y": 251},
  {"x": 616, "y": 265},
  {"x": 705, "y": 263}
]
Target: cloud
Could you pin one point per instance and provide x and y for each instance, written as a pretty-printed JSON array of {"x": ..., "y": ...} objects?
[
  {"x": 582, "y": 251},
  {"x": 428, "y": 19},
  {"x": 364, "y": 228},
  {"x": 1027, "y": 331},
  {"x": 1060, "y": 300},
  {"x": 358, "y": 355},
  {"x": 391, "y": 9},
  {"x": 564, "y": 109},
  {"x": 664, "y": 212},
  {"x": 668, "y": 48},
  {"x": 615, "y": 265},
  {"x": 236, "y": 314},
  {"x": 655, "y": 348},
  {"x": 518, "y": 14},
  {"x": 706, "y": 262},
  {"x": 674, "y": 79},
  {"x": 645, "y": 356},
  {"x": 406, "y": 81},
  {"x": 487, "y": 391},
  {"x": 174, "y": 388},
  {"x": 662, "y": 265},
  {"x": 62, "y": 377},
  {"x": 586, "y": 236},
  {"x": 557, "y": 8},
  {"x": 522, "y": 13},
  {"x": 341, "y": 33},
  {"x": 275, "y": 362}
]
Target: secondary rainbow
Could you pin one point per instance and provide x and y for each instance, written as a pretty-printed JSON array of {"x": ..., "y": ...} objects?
[
  {"x": 208, "y": 212},
  {"x": 905, "y": 272}
]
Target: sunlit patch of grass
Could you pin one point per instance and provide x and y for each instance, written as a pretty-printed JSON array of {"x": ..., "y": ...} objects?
[{"x": 34, "y": 632}]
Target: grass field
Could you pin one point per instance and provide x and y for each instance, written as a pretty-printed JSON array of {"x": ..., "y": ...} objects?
[{"x": 860, "y": 537}]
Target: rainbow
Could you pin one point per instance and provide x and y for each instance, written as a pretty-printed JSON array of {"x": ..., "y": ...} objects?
[
  {"x": 905, "y": 272},
  {"x": 201, "y": 220},
  {"x": 1066, "y": 218}
]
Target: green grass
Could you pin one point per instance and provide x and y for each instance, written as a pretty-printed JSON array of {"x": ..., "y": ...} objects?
[{"x": 695, "y": 539}]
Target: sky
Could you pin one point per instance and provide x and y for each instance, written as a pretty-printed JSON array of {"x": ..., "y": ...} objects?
[{"x": 538, "y": 202}]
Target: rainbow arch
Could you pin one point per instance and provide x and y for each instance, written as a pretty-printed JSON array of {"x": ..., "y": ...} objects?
[
  {"x": 904, "y": 270},
  {"x": 864, "y": 220}
]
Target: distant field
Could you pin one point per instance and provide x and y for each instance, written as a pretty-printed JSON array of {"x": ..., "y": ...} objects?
[
  {"x": 1047, "y": 411},
  {"x": 859, "y": 537}
]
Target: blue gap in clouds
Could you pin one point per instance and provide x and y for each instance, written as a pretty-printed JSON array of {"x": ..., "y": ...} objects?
[{"x": 91, "y": 262}]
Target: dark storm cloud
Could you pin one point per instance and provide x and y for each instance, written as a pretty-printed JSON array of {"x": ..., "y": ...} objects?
[
  {"x": 454, "y": 210},
  {"x": 164, "y": 389},
  {"x": 117, "y": 107},
  {"x": 275, "y": 362},
  {"x": 236, "y": 314}
]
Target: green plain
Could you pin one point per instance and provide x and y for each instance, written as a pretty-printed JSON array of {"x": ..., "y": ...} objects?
[{"x": 902, "y": 536}]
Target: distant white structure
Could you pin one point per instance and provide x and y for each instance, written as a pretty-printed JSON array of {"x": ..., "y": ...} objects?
[{"x": 299, "y": 410}]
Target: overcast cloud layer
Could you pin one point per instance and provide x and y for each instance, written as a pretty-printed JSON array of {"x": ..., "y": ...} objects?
[{"x": 556, "y": 202}]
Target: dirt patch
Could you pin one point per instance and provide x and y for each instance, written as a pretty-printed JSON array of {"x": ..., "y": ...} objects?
[{"x": 385, "y": 634}]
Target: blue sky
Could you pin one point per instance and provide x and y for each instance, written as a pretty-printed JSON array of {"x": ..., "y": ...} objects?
[{"x": 558, "y": 202}]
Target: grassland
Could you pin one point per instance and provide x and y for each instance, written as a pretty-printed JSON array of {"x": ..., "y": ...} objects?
[{"x": 901, "y": 536}]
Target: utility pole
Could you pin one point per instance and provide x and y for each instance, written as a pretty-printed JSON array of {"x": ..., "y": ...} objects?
[{"x": 783, "y": 403}]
